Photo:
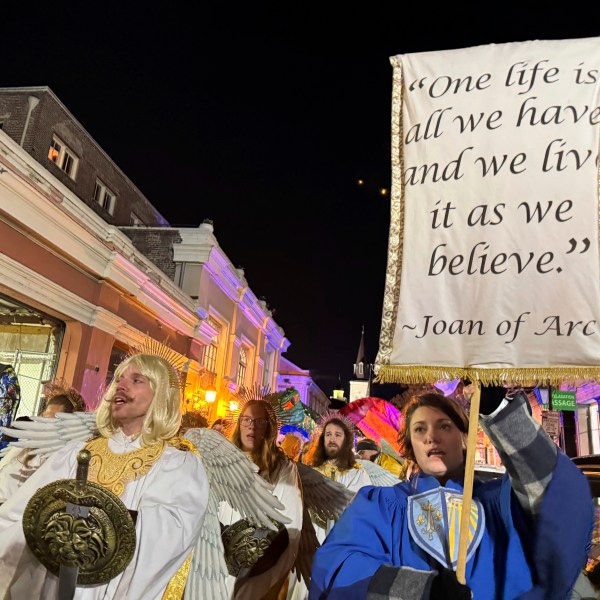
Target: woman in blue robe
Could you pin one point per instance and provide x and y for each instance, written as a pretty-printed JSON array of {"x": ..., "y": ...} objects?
[{"x": 529, "y": 529}]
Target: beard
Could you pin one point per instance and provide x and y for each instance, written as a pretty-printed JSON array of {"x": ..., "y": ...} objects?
[{"x": 332, "y": 451}]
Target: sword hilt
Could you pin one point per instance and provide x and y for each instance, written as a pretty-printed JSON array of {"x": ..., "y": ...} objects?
[{"x": 83, "y": 463}]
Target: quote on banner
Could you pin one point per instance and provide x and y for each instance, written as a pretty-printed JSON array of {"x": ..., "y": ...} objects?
[{"x": 493, "y": 263}]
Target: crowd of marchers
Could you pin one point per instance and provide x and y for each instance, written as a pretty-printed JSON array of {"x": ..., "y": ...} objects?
[{"x": 240, "y": 510}]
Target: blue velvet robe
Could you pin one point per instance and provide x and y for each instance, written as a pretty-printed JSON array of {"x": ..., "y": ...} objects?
[{"x": 518, "y": 557}]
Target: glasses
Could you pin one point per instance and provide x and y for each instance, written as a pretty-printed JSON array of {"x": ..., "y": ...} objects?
[{"x": 259, "y": 423}]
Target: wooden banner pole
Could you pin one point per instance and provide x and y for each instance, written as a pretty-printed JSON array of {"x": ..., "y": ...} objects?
[{"x": 465, "y": 517}]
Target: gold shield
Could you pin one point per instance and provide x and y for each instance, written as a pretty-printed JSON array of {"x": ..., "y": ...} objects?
[
  {"x": 252, "y": 550},
  {"x": 100, "y": 544}
]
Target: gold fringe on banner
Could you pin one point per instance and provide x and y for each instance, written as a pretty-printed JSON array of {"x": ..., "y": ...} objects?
[
  {"x": 527, "y": 377},
  {"x": 391, "y": 293}
]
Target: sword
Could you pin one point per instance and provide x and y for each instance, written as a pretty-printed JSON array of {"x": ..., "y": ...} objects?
[{"x": 67, "y": 575}]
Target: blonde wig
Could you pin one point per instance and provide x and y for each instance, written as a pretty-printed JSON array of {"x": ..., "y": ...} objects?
[{"x": 163, "y": 418}]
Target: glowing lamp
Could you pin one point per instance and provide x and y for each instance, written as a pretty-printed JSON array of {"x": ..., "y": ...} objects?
[
  {"x": 233, "y": 405},
  {"x": 338, "y": 394},
  {"x": 210, "y": 395}
]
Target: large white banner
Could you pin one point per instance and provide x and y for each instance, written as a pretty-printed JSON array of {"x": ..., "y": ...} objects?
[{"x": 493, "y": 259}]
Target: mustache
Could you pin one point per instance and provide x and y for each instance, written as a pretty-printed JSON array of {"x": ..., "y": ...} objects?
[{"x": 121, "y": 396}]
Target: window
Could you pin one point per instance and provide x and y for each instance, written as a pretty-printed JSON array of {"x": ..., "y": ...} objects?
[
  {"x": 209, "y": 360},
  {"x": 242, "y": 367},
  {"x": 210, "y": 357},
  {"x": 269, "y": 359},
  {"x": 63, "y": 157},
  {"x": 135, "y": 221},
  {"x": 104, "y": 197}
]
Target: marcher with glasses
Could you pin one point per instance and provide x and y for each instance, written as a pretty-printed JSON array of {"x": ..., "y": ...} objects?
[{"x": 256, "y": 434}]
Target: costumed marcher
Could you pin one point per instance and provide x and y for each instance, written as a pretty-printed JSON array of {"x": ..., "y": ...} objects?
[
  {"x": 369, "y": 449},
  {"x": 219, "y": 426},
  {"x": 390, "y": 542},
  {"x": 20, "y": 463},
  {"x": 138, "y": 458},
  {"x": 333, "y": 456},
  {"x": 291, "y": 445},
  {"x": 305, "y": 450},
  {"x": 10, "y": 396},
  {"x": 256, "y": 434},
  {"x": 192, "y": 420}
]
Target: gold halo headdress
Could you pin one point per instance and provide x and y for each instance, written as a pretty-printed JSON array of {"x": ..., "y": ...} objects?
[
  {"x": 277, "y": 405},
  {"x": 329, "y": 416},
  {"x": 53, "y": 389},
  {"x": 260, "y": 394},
  {"x": 177, "y": 362}
]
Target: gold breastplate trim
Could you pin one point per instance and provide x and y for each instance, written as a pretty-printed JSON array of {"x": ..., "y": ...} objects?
[{"x": 115, "y": 471}]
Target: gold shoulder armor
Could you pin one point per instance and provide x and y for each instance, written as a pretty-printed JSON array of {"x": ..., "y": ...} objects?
[{"x": 183, "y": 445}]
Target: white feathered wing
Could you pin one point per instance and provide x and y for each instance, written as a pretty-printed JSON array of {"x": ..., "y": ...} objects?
[
  {"x": 379, "y": 476},
  {"x": 45, "y": 435},
  {"x": 234, "y": 479},
  {"x": 388, "y": 449}
]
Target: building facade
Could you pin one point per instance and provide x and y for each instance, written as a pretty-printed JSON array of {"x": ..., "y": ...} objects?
[
  {"x": 91, "y": 270},
  {"x": 311, "y": 394}
]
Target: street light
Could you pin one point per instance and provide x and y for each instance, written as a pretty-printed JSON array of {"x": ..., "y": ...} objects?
[{"x": 210, "y": 395}]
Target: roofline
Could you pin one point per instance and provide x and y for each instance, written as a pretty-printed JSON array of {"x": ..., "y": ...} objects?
[{"x": 46, "y": 90}]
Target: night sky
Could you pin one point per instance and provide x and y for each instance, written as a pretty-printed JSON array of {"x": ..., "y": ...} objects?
[{"x": 262, "y": 117}]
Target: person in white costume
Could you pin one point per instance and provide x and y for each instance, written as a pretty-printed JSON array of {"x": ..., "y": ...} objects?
[
  {"x": 153, "y": 474},
  {"x": 18, "y": 464},
  {"x": 256, "y": 434},
  {"x": 333, "y": 456}
]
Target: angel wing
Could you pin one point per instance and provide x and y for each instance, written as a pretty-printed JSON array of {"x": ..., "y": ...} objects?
[
  {"x": 327, "y": 499},
  {"x": 379, "y": 476},
  {"x": 306, "y": 548},
  {"x": 388, "y": 449},
  {"x": 323, "y": 496},
  {"x": 44, "y": 435},
  {"x": 233, "y": 479}
]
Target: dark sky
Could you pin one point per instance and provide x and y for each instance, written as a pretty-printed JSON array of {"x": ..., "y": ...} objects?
[{"x": 261, "y": 117}]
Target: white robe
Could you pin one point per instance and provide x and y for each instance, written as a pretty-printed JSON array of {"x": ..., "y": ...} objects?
[
  {"x": 287, "y": 491},
  {"x": 15, "y": 468},
  {"x": 170, "y": 499},
  {"x": 352, "y": 479}
]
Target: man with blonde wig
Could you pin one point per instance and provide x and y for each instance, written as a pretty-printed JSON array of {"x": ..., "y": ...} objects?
[{"x": 138, "y": 457}]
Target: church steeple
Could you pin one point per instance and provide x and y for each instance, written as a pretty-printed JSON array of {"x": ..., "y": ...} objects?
[
  {"x": 359, "y": 365},
  {"x": 360, "y": 386}
]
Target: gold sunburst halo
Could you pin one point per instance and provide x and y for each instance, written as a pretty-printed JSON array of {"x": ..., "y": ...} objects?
[{"x": 178, "y": 362}]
